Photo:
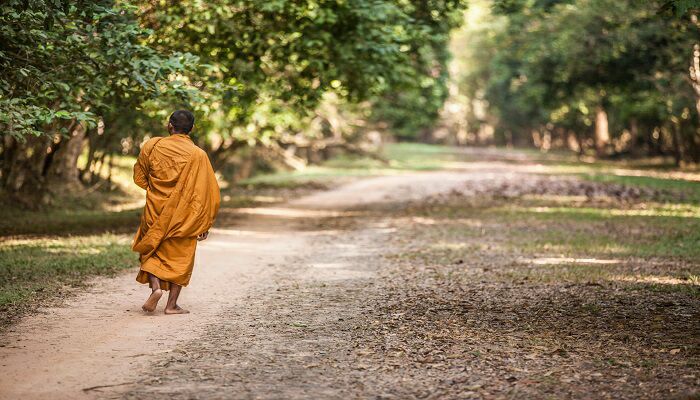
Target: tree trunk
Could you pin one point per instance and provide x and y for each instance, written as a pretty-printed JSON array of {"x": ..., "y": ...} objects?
[
  {"x": 677, "y": 143},
  {"x": 245, "y": 170},
  {"x": 695, "y": 81},
  {"x": 22, "y": 169},
  {"x": 64, "y": 166},
  {"x": 695, "y": 75},
  {"x": 602, "y": 134},
  {"x": 573, "y": 142},
  {"x": 9, "y": 150},
  {"x": 634, "y": 131}
]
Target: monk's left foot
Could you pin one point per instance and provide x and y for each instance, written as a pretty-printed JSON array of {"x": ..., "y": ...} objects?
[
  {"x": 176, "y": 310},
  {"x": 152, "y": 302}
]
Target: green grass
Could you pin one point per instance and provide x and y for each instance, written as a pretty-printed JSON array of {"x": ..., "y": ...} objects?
[
  {"x": 689, "y": 190},
  {"x": 35, "y": 268},
  {"x": 88, "y": 211},
  {"x": 74, "y": 238},
  {"x": 656, "y": 248},
  {"x": 630, "y": 238},
  {"x": 664, "y": 230},
  {"x": 655, "y": 173},
  {"x": 56, "y": 221},
  {"x": 661, "y": 230},
  {"x": 399, "y": 158}
]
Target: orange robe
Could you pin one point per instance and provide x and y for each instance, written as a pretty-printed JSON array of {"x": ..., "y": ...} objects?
[{"x": 182, "y": 199}]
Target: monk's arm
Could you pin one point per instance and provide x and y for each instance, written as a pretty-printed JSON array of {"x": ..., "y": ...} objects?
[{"x": 141, "y": 169}]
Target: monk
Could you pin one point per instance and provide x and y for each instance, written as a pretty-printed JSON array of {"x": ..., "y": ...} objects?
[{"x": 182, "y": 200}]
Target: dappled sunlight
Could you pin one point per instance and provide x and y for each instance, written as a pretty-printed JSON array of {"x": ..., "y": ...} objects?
[
  {"x": 671, "y": 175},
  {"x": 656, "y": 279},
  {"x": 558, "y": 199},
  {"x": 568, "y": 260},
  {"x": 295, "y": 212},
  {"x": 216, "y": 232},
  {"x": 419, "y": 199},
  {"x": 74, "y": 244},
  {"x": 573, "y": 247},
  {"x": 67, "y": 250},
  {"x": 424, "y": 221},
  {"x": 329, "y": 265},
  {"x": 463, "y": 249},
  {"x": 449, "y": 246},
  {"x": 675, "y": 210},
  {"x": 460, "y": 223}
]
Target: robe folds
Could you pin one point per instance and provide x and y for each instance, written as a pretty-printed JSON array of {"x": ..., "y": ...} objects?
[{"x": 182, "y": 200}]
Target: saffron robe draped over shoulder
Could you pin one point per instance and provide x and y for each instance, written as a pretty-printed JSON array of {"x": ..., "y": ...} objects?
[{"x": 182, "y": 200}]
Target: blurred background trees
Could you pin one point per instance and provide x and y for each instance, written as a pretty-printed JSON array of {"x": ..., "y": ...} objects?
[
  {"x": 284, "y": 83},
  {"x": 614, "y": 78}
]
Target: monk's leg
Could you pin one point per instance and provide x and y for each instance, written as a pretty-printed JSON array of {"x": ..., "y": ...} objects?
[
  {"x": 172, "y": 307},
  {"x": 156, "y": 293}
]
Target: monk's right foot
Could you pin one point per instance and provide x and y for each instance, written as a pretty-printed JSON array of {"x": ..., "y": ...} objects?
[
  {"x": 176, "y": 310},
  {"x": 152, "y": 302}
]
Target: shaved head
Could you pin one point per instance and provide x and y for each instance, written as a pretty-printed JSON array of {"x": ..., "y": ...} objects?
[{"x": 182, "y": 121}]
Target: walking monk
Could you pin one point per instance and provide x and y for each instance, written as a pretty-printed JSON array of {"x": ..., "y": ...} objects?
[{"x": 182, "y": 199}]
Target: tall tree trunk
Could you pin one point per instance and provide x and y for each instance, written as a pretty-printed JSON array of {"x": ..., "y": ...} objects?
[
  {"x": 602, "y": 134},
  {"x": 573, "y": 142},
  {"x": 245, "y": 169},
  {"x": 695, "y": 80},
  {"x": 23, "y": 167},
  {"x": 695, "y": 75},
  {"x": 677, "y": 142},
  {"x": 64, "y": 166},
  {"x": 634, "y": 131},
  {"x": 9, "y": 151}
]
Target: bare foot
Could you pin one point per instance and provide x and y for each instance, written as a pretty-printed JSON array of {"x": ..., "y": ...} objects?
[
  {"x": 152, "y": 302},
  {"x": 176, "y": 310}
]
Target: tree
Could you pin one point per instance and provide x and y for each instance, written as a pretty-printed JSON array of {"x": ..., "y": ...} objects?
[
  {"x": 595, "y": 71},
  {"x": 277, "y": 60},
  {"x": 63, "y": 68}
]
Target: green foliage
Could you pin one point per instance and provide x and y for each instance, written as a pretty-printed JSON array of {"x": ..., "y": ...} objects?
[
  {"x": 681, "y": 7},
  {"x": 551, "y": 66},
  {"x": 274, "y": 74},
  {"x": 269, "y": 64},
  {"x": 411, "y": 109},
  {"x": 64, "y": 62}
]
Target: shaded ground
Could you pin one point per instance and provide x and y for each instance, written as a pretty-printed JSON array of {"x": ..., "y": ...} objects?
[
  {"x": 488, "y": 281},
  {"x": 443, "y": 299}
]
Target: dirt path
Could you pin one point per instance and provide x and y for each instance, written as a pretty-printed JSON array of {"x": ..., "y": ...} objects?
[
  {"x": 299, "y": 301},
  {"x": 102, "y": 340}
]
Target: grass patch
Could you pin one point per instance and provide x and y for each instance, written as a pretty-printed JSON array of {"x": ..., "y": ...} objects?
[
  {"x": 536, "y": 239},
  {"x": 656, "y": 173},
  {"x": 400, "y": 157},
  {"x": 67, "y": 222},
  {"x": 36, "y": 268},
  {"x": 688, "y": 190},
  {"x": 662, "y": 231}
]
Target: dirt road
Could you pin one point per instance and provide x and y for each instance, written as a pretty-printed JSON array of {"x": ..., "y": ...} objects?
[
  {"x": 101, "y": 339},
  {"x": 285, "y": 303}
]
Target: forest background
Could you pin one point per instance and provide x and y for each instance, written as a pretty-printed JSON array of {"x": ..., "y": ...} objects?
[{"x": 282, "y": 84}]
